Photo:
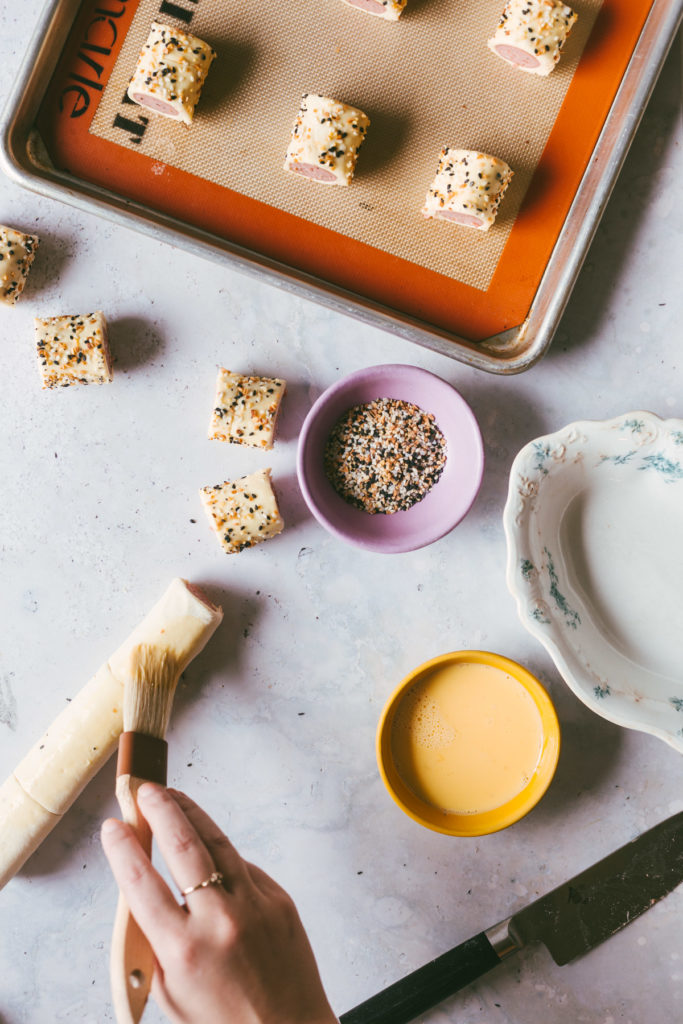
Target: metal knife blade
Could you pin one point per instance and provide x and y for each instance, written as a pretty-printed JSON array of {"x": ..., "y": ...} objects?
[
  {"x": 585, "y": 911},
  {"x": 570, "y": 920}
]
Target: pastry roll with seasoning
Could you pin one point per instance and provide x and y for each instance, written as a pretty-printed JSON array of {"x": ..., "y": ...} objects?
[
  {"x": 326, "y": 137},
  {"x": 17, "y": 253},
  {"x": 170, "y": 72},
  {"x": 85, "y": 734},
  {"x": 390, "y": 10},
  {"x": 531, "y": 34},
  {"x": 468, "y": 188},
  {"x": 243, "y": 512},
  {"x": 73, "y": 350},
  {"x": 245, "y": 409}
]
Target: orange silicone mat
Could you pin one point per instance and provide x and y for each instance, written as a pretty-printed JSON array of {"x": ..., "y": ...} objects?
[{"x": 425, "y": 81}]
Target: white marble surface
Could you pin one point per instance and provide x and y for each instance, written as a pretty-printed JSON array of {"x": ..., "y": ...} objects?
[{"x": 274, "y": 724}]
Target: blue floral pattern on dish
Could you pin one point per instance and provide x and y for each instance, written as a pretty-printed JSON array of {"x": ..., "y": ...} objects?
[
  {"x": 527, "y": 569},
  {"x": 543, "y": 454},
  {"x": 667, "y": 468},
  {"x": 571, "y": 617},
  {"x": 618, "y": 460},
  {"x": 544, "y": 478}
]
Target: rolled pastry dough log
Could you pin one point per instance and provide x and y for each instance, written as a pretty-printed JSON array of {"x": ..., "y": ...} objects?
[
  {"x": 170, "y": 72},
  {"x": 85, "y": 733},
  {"x": 17, "y": 253},
  {"x": 23, "y": 826},
  {"x": 183, "y": 621},
  {"x": 74, "y": 748},
  {"x": 531, "y": 34},
  {"x": 326, "y": 137},
  {"x": 73, "y": 350},
  {"x": 468, "y": 188}
]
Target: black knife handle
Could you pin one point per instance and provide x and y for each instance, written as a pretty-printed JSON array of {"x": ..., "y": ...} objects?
[{"x": 419, "y": 991}]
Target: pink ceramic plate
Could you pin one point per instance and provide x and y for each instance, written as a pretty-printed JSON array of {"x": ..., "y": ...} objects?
[{"x": 449, "y": 500}]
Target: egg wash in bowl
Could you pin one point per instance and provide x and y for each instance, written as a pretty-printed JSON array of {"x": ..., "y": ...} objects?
[
  {"x": 466, "y": 738},
  {"x": 468, "y": 743}
]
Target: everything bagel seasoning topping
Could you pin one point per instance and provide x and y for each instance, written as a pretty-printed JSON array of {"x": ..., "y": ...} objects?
[
  {"x": 17, "y": 252},
  {"x": 385, "y": 456}
]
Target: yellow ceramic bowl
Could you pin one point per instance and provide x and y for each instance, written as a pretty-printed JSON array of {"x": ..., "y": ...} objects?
[{"x": 476, "y": 823}]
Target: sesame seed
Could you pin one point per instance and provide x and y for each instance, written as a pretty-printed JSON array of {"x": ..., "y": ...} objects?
[{"x": 384, "y": 456}]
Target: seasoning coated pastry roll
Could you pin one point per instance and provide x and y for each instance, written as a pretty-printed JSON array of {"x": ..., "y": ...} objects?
[
  {"x": 326, "y": 137},
  {"x": 243, "y": 512},
  {"x": 245, "y": 409},
  {"x": 531, "y": 34},
  {"x": 17, "y": 253},
  {"x": 390, "y": 10},
  {"x": 170, "y": 72},
  {"x": 468, "y": 188},
  {"x": 73, "y": 350}
]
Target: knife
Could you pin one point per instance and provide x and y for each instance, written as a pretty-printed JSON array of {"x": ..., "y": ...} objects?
[{"x": 570, "y": 920}]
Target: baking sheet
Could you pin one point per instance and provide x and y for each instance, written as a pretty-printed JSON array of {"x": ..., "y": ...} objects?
[
  {"x": 425, "y": 82},
  {"x": 46, "y": 146},
  {"x": 332, "y": 255}
]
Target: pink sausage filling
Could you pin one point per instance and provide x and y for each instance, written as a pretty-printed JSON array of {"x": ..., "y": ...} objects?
[
  {"x": 374, "y": 6},
  {"x": 154, "y": 103},
  {"x": 516, "y": 56},
  {"x": 461, "y": 218},
  {"x": 312, "y": 171},
  {"x": 201, "y": 596}
]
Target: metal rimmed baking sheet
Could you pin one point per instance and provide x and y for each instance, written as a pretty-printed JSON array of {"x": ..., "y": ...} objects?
[{"x": 40, "y": 158}]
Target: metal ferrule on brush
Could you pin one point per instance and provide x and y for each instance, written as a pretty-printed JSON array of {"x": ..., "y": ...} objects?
[{"x": 142, "y": 756}]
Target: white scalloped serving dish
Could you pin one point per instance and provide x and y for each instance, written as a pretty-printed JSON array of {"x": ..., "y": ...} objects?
[{"x": 594, "y": 527}]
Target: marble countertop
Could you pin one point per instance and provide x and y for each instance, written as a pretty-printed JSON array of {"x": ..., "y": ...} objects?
[{"x": 273, "y": 726}]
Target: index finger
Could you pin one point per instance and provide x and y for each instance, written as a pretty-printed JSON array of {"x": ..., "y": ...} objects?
[{"x": 149, "y": 899}]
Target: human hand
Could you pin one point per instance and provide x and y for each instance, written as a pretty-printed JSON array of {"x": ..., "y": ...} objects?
[{"x": 236, "y": 953}]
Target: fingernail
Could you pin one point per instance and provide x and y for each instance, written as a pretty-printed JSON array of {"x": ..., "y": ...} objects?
[
  {"x": 148, "y": 790},
  {"x": 111, "y": 826}
]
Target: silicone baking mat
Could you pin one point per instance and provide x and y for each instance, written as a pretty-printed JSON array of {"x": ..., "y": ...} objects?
[{"x": 426, "y": 81}]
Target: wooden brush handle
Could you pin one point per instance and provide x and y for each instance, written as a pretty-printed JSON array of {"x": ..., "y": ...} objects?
[{"x": 132, "y": 959}]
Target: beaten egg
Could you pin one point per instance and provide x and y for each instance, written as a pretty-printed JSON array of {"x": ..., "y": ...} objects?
[{"x": 468, "y": 743}]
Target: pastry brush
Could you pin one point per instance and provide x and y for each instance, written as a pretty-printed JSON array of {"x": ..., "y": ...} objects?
[{"x": 147, "y": 700}]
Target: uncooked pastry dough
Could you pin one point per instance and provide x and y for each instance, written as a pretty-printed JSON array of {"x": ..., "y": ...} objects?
[
  {"x": 85, "y": 733},
  {"x": 17, "y": 253},
  {"x": 326, "y": 137},
  {"x": 73, "y": 350},
  {"x": 245, "y": 409},
  {"x": 531, "y": 34},
  {"x": 182, "y": 622},
  {"x": 23, "y": 826},
  {"x": 76, "y": 745},
  {"x": 243, "y": 512},
  {"x": 170, "y": 72},
  {"x": 468, "y": 188}
]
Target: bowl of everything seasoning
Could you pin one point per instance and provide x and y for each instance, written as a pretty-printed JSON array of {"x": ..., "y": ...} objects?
[{"x": 390, "y": 458}]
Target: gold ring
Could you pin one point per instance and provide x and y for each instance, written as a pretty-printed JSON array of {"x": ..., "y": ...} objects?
[{"x": 216, "y": 878}]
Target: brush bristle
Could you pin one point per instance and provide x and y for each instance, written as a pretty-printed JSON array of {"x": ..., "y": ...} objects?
[{"x": 149, "y": 690}]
